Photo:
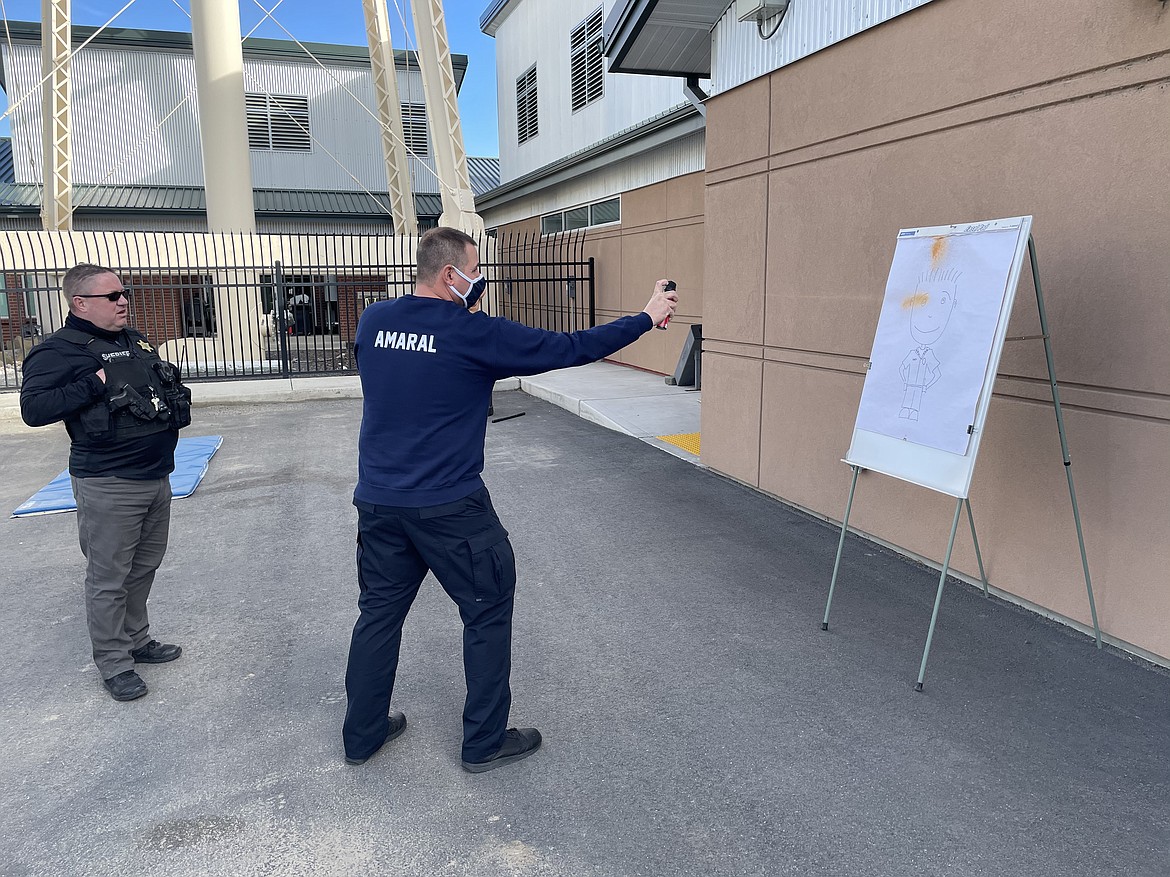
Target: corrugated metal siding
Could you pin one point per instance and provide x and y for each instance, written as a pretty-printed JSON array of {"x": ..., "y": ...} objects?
[
  {"x": 264, "y": 225},
  {"x": 339, "y": 124},
  {"x": 537, "y": 31},
  {"x": 20, "y": 223},
  {"x": 738, "y": 55},
  {"x": 107, "y": 222},
  {"x": 320, "y": 226},
  {"x": 120, "y": 97},
  {"x": 683, "y": 156}
]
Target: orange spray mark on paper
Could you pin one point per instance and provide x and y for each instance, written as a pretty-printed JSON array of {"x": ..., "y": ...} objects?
[
  {"x": 938, "y": 252},
  {"x": 915, "y": 301}
]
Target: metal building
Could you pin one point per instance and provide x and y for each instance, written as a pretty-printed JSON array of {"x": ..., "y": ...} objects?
[{"x": 314, "y": 141}]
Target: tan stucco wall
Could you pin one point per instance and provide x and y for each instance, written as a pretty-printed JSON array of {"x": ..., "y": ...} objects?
[
  {"x": 660, "y": 235},
  {"x": 961, "y": 110}
]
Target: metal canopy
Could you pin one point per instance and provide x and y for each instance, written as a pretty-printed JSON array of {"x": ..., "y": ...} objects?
[{"x": 662, "y": 37}]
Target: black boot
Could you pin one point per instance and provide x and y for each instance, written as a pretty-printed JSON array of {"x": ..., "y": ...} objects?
[
  {"x": 155, "y": 652},
  {"x": 125, "y": 686},
  {"x": 518, "y": 743}
]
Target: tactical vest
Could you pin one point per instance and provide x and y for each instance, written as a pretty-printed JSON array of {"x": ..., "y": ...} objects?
[{"x": 143, "y": 392}]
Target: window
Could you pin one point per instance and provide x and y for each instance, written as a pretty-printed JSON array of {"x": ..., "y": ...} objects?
[
  {"x": 278, "y": 122},
  {"x": 36, "y": 286},
  {"x": 414, "y": 128},
  {"x": 578, "y": 217},
  {"x": 3, "y": 297},
  {"x": 586, "y": 66},
  {"x": 198, "y": 309},
  {"x": 605, "y": 211},
  {"x": 40, "y": 303},
  {"x": 527, "y": 126},
  {"x": 598, "y": 213}
]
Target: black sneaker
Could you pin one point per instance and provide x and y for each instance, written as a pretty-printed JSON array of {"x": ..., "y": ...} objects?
[
  {"x": 397, "y": 726},
  {"x": 519, "y": 743},
  {"x": 125, "y": 686},
  {"x": 155, "y": 652}
]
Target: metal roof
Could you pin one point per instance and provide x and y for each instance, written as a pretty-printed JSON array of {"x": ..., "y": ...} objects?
[
  {"x": 178, "y": 41},
  {"x": 20, "y": 197},
  {"x": 428, "y": 205},
  {"x": 661, "y": 37},
  {"x": 7, "y": 170},
  {"x": 185, "y": 200},
  {"x": 484, "y": 173}
]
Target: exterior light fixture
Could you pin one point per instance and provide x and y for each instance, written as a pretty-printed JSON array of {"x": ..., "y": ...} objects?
[{"x": 761, "y": 11}]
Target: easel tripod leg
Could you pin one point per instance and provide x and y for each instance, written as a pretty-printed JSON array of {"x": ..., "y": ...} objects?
[
  {"x": 975, "y": 539},
  {"x": 840, "y": 547},
  {"x": 942, "y": 580},
  {"x": 1063, "y": 438},
  {"x": 1084, "y": 558}
]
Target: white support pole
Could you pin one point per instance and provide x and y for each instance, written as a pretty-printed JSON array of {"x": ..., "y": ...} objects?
[
  {"x": 434, "y": 56},
  {"x": 57, "y": 195},
  {"x": 385, "y": 77},
  {"x": 223, "y": 125}
]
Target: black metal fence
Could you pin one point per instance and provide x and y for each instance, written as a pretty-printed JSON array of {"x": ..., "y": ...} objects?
[{"x": 256, "y": 306}]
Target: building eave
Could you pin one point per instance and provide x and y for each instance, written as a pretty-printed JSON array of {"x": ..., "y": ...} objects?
[
  {"x": 662, "y": 37},
  {"x": 494, "y": 15}
]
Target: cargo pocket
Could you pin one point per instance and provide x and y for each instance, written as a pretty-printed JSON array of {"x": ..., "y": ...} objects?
[{"x": 493, "y": 565}]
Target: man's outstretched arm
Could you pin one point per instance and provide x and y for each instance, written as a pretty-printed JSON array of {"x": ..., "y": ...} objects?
[{"x": 522, "y": 350}]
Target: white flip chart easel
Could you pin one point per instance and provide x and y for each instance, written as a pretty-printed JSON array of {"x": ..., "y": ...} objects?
[{"x": 929, "y": 383}]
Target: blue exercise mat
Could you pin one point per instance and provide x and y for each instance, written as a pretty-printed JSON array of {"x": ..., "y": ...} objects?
[{"x": 191, "y": 458}]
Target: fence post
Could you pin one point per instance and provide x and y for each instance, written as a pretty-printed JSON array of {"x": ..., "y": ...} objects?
[
  {"x": 281, "y": 322},
  {"x": 592, "y": 298}
]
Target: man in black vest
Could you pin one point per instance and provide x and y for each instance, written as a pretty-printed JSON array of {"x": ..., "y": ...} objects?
[{"x": 123, "y": 407}]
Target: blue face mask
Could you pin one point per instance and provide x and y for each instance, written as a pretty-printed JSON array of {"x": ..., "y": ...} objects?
[{"x": 474, "y": 293}]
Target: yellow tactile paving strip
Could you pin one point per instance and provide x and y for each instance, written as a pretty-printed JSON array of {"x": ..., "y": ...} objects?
[{"x": 688, "y": 441}]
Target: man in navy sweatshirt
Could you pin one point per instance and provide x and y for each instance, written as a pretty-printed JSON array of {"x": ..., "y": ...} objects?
[{"x": 428, "y": 364}]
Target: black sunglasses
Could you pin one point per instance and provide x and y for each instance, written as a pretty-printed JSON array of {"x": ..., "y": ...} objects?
[{"x": 109, "y": 296}]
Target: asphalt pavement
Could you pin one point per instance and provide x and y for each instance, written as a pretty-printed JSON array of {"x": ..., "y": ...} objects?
[{"x": 697, "y": 720}]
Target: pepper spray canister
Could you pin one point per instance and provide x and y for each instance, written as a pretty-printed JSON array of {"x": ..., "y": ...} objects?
[{"x": 670, "y": 287}]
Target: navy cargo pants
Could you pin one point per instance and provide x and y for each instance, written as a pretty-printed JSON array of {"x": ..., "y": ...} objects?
[{"x": 467, "y": 548}]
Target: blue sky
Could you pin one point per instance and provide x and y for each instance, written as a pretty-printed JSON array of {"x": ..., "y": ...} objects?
[{"x": 339, "y": 22}]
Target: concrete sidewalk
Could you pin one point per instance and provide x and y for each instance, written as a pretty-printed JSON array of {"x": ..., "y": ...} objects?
[
  {"x": 667, "y": 642},
  {"x": 623, "y": 399}
]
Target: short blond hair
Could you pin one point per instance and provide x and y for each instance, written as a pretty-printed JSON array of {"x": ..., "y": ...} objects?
[{"x": 439, "y": 248}]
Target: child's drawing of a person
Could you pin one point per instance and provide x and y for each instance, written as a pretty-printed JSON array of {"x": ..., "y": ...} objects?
[{"x": 930, "y": 309}]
